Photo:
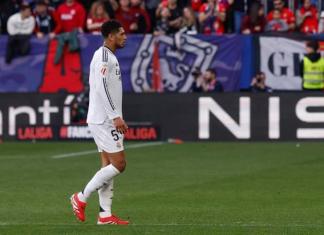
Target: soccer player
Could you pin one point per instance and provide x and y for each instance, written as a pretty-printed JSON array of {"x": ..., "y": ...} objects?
[{"x": 106, "y": 123}]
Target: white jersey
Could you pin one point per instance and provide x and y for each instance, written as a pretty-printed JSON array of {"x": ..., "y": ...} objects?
[{"x": 105, "y": 87}]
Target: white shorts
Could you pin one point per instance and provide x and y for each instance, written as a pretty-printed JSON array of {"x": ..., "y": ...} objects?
[{"x": 106, "y": 137}]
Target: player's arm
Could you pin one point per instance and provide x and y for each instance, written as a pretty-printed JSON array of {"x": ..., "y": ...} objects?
[
  {"x": 107, "y": 99},
  {"x": 120, "y": 125}
]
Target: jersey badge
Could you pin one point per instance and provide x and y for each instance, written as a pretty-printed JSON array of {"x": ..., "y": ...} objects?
[{"x": 104, "y": 70}]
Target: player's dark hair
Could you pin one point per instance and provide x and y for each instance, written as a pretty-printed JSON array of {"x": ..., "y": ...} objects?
[{"x": 111, "y": 26}]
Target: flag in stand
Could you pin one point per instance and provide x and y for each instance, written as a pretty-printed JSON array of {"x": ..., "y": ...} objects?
[{"x": 157, "y": 85}]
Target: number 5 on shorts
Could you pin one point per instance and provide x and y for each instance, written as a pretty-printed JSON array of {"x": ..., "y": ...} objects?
[{"x": 115, "y": 135}]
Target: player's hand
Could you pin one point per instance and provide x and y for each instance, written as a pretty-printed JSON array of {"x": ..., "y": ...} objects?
[{"x": 120, "y": 125}]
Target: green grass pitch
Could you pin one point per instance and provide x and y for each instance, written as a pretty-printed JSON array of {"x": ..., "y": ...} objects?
[{"x": 192, "y": 188}]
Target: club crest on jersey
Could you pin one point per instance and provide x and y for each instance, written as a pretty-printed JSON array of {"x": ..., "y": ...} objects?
[{"x": 176, "y": 65}]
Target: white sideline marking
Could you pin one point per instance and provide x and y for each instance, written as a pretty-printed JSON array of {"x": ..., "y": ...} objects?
[
  {"x": 75, "y": 154},
  {"x": 82, "y": 153}
]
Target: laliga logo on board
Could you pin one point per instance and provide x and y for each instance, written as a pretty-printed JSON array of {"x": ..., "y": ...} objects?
[{"x": 176, "y": 64}]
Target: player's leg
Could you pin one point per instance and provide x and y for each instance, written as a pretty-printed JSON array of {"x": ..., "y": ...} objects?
[
  {"x": 77, "y": 199},
  {"x": 104, "y": 175},
  {"x": 106, "y": 192},
  {"x": 117, "y": 159},
  {"x": 114, "y": 162},
  {"x": 104, "y": 159}
]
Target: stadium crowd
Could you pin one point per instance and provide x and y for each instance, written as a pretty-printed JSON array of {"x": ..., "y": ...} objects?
[
  {"x": 64, "y": 19},
  {"x": 161, "y": 17}
]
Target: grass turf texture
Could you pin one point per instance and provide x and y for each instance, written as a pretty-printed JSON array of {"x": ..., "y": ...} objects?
[{"x": 193, "y": 188}]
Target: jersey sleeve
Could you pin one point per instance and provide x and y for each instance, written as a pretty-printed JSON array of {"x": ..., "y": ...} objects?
[{"x": 106, "y": 95}]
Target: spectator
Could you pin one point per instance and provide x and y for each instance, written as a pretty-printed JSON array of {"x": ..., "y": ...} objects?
[
  {"x": 51, "y": 5},
  {"x": 312, "y": 68},
  {"x": 162, "y": 25},
  {"x": 197, "y": 85},
  {"x": 211, "y": 17},
  {"x": 80, "y": 107},
  {"x": 211, "y": 84},
  {"x": 55, "y": 3},
  {"x": 229, "y": 22},
  {"x": 255, "y": 22},
  {"x": 126, "y": 16},
  {"x": 151, "y": 6},
  {"x": 174, "y": 20},
  {"x": 270, "y": 4},
  {"x": 97, "y": 17},
  {"x": 70, "y": 19},
  {"x": 44, "y": 20},
  {"x": 20, "y": 27},
  {"x": 206, "y": 82},
  {"x": 110, "y": 7},
  {"x": 189, "y": 22},
  {"x": 258, "y": 83},
  {"x": 7, "y": 9},
  {"x": 143, "y": 18},
  {"x": 277, "y": 24},
  {"x": 70, "y": 16},
  {"x": 285, "y": 14},
  {"x": 307, "y": 18}
]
